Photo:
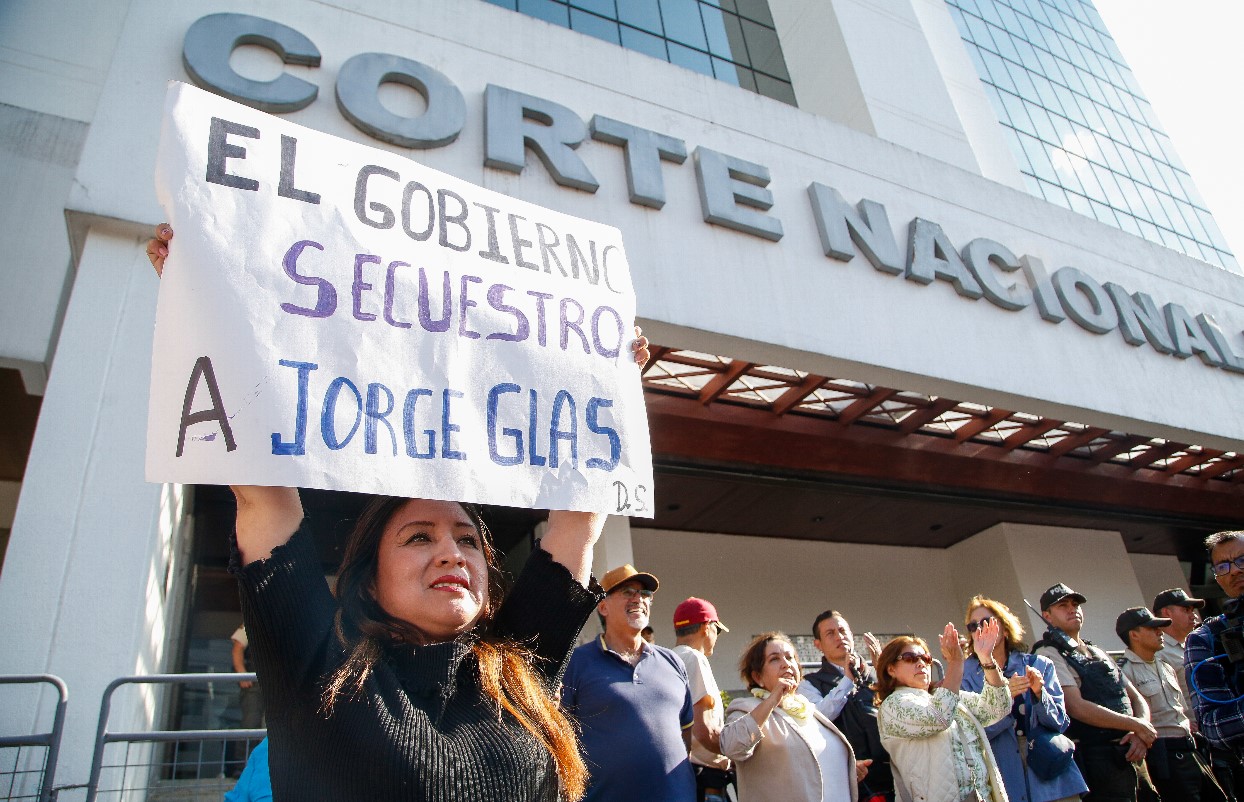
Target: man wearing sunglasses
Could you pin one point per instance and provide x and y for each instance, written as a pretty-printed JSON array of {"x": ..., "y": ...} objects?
[
  {"x": 1214, "y": 652},
  {"x": 631, "y": 701},
  {"x": 1109, "y": 717}
]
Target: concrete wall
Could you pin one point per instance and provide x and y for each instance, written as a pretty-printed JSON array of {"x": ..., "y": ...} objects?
[
  {"x": 97, "y": 564},
  {"x": 1156, "y": 573},
  {"x": 55, "y": 59},
  {"x": 758, "y": 584}
]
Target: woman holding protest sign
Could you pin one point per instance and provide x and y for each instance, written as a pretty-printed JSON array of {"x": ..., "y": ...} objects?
[{"x": 421, "y": 679}]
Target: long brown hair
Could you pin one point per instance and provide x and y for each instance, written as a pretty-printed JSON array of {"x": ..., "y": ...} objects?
[
  {"x": 886, "y": 684},
  {"x": 1012, "y": 628},
  {"x": 505, "y": 668}
]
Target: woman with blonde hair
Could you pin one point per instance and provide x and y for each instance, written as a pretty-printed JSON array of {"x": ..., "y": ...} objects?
[
  {"x": 1038, "y": 703},
  {"x": 937, "y": 743},
  {"x": 783, "y": 747}
]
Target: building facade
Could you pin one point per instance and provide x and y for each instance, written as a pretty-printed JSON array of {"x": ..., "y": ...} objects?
[{"x": 916, "y": 340}]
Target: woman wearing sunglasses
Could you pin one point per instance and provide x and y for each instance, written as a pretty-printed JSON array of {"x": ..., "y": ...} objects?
[
  {"x": 1034, "y": 687},
  {"x": 937, "y": 743},
  {"x": 783, "y": 748}
]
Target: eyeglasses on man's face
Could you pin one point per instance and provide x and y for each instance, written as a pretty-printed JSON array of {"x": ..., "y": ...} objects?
[
  {"x": 1223, "y": 568},
  {"x": 975, "y": 625},
  {"x": 915, "y": 657},
  {"x": 634, "y": 593}
]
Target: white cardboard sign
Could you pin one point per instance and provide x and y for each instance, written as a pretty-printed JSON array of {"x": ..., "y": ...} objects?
[{"x": 341, "y": 317}]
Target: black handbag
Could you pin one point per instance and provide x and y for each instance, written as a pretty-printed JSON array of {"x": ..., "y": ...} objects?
[{"x": 1049, "y": 751}]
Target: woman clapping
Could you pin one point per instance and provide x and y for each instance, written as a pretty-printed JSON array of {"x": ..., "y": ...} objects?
[{"x": 937, "y": 742}]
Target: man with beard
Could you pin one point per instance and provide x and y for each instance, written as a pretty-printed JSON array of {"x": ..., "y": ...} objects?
[
  {"x": 631, "y": 700},
  {"x": 1214, "y": 662}
]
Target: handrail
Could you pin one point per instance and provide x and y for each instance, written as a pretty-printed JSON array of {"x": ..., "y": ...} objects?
[
  {"x": 52, "y": 739},
  {"x": 103, "y": 737}
]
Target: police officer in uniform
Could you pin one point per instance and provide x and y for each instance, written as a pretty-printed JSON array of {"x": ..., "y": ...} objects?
[{"x": 1109, "y": 718}]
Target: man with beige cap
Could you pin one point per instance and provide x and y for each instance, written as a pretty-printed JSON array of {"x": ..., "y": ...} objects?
[{"x": 631, "y": 700}]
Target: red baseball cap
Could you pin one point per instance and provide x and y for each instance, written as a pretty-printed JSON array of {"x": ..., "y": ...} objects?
[{"x": 696, "y": 611}]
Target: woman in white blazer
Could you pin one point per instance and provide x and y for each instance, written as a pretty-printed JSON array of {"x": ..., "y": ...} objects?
[
  {"x": 937, "y": 742},
  {"x": 782, "y": 747}
]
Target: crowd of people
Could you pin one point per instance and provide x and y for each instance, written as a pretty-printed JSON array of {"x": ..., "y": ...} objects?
[
  {"x": 421, "y": 677},
  {"x": 1058, "y": 719}
]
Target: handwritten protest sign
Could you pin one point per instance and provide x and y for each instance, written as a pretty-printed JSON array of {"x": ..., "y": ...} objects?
[{"x": 336, "y": 316}]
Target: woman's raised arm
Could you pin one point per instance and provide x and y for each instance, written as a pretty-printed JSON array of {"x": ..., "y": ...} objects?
[{"x": 267, "y": 516}]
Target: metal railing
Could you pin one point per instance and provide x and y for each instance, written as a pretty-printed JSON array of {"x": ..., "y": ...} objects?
[
  {"x": 29, "y": 775},
  {"x": 167, "y": 764}
]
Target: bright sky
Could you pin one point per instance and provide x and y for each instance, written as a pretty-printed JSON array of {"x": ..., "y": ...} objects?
[{"x": 1188, "y": 56}]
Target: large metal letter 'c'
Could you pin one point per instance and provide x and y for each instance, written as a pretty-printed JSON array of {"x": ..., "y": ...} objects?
[{"x": 212, "y": 39}]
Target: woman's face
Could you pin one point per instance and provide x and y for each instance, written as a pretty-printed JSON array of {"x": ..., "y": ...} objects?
[
  {"x": 983, "y": 614},
  {"x": 780, "y": 661},
  {"x": 912, "y": 668},
  {"x": 430, "y": 568}
]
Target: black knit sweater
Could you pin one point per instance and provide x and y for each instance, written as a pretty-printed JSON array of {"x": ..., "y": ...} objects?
[{"x": 422, "y": 729}]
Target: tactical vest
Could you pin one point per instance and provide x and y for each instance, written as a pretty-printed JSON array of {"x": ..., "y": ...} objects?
[{"x": 1101, "y": 683}]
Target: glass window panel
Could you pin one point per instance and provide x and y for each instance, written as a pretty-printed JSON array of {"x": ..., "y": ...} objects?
[
  {"x": 1172, "y": 213},
  {"x": 547, "y": 10},
  {"x": 1128, "y": 223},
  {"x": 682, "y": 23},
  {"x": 728, "y": 72},
  {"x": 1006, "y": 48},
  {"x": 1017, "y": 151},
  {"x": 747, "y": 80},
  {"x": 644, "y": 42},
  {"x": 980, "y": 32},
  {"x": 994, "y": 94},
  {"x": 593, "y": 25},
  {"x": 757, "y": 10},
  {"x": 764, "y": 50},
  {"x": 989, "y": 10},
  {"x": 998, "y": 71},
  {"x": 1010, "y": 20},
  {"x": 1023, "y": 82},
  {"x": 1080, "y": 204},
  {"x": 1045, "y": 128},
  {"x": 1032, "y": 31},
  {"x": 691, "y": 59},
  {"x": 1027, "y": 53},
  {"x": 1017, "y": 113},
  {"x": 1045, "y": 92},
  {"x": 962, "y": 24},
  {"x": 512, "y": 5},
  {"x": 725, "y": 35},
  {"x": 1194, "y": 222},
  {"x": 605, "y": 8},
  {"x": 1104, "y": 214},
  {"x": 643, "y": 14},
  {"x": 1111, "y": 187},
  {"x": 1055, "y": 194},
  {"x": 776, "y": 89},
  {"x": 1038, "y": 157},
  {"x": 1169, "y": 238},
  {"x": 1148, "y": 230}
]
